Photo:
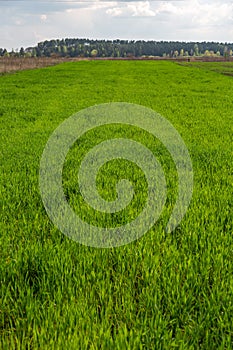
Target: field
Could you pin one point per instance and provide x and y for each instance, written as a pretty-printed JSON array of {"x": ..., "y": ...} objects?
[
  {"x": 225, "y": 68},
  {"x": 12, "y": 64},
  {"x": 163, "y": 291}
]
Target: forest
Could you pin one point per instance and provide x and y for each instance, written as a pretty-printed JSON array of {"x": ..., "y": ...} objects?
[{"x": 120, "y": 48}]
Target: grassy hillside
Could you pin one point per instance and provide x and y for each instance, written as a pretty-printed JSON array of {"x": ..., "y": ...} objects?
[{"x": 163, "y": 291}]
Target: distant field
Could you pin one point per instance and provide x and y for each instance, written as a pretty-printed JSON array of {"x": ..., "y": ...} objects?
[
  {"x": 163, "y": 291},
  {"x": 225, "y": 68},
  {"x": 12, "y": 64}
]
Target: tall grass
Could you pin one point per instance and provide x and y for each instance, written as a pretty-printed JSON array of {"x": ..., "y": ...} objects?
[{"x": 163, "y": 291}]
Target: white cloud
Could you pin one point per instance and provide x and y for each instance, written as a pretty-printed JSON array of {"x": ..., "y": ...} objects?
[
  {"x": 93, "y": 5},
  {"x": 169, "y": 8},
  {"x": 18, "y": 22},
  {"x": 182, "y": 13},
  {"x": 141, "y": 8},
  {"x": 210, "y": 14},
  {"x": 116, "y": 11},
  {"x": 22, "y": 23},
  {"x": 198, "y": 12},
  {"x": 43, "y": 17},
  {"x": 134, "y": 9}
]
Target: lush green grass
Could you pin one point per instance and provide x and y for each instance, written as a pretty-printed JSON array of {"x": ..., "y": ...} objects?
[
  {"x": 163, "y": 291},
  {"x": 219, "y": 67}
]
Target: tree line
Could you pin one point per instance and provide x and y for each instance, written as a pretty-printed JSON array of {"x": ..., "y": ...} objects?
[{"x": 120, "y": 48}]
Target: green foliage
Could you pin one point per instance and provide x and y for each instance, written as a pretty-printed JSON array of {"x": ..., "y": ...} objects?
[
  {"x": 164, "y": 291},
  {"x": 94, "y": 53},
  {"x": 196, "y": 49},
  {"x": 73, "y": 47}
]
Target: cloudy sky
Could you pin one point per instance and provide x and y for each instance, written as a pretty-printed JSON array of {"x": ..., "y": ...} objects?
[{"x": 25, "y": 23}]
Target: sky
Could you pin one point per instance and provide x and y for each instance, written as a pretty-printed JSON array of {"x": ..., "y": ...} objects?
[{"x": 25, "y": 23}]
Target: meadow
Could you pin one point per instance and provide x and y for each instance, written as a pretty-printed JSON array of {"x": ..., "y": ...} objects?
[
  {"x": 163, "y": 291},
  {"x": 225, "y": 68}
]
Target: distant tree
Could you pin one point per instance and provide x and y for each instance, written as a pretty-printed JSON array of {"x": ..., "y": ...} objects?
[
  {"x": 71, "y": 51},
  {"x": 196, "y": 50},
  {"x": 21, "y": 52},
  {"x": 64, "y": 50},
  {"x": 12, "y": 53},
  {"x": 59, "y": 50},
  {"x": 5, "y": 53},
  {"x": 33, "y": 52},
  {"x": 124, "y": 48},
  {"x": 117, "y": 53},
  {"x": 38, "y": 51},
  {"x": 226, "y": 52},
  {"x": 207, "y": 53},
  {"x": 94, "y": 53},
  {"x": 28, "y": 54}
]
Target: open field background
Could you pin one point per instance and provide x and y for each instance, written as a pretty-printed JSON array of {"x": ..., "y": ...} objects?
[
  {"x": 164, "y": 291},
  {"x": 12, "y": 64},
  {"x": 225, "y": 68}
]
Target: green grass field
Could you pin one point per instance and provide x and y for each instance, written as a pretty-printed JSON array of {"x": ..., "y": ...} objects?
[
  {"x": 225, "y": 68},
  {"x": 163, "y": 291}
]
